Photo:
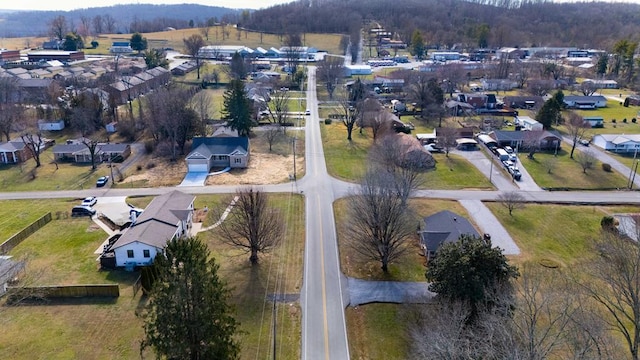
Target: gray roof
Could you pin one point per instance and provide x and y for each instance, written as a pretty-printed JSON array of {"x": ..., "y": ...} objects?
[
  {"x": 505, "y": 135},
  {"x": 219, "y": 146},
  {"x": 159, "y": 221},
  {"x": 444, "y": 227},
  {"x": 79, "y": 148},
  {"x": 580, "y": 98},
  {"x": 12, "y": 146}
]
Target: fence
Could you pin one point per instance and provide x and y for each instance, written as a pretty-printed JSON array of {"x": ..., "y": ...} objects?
[
  {"x": 17, "y": 238},
  {"x": 17, "y": 294}
]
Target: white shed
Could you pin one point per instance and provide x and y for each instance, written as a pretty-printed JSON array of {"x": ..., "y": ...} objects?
[
  {"x": 529, "y": 123},
  {"x": 50, "y": 125}
]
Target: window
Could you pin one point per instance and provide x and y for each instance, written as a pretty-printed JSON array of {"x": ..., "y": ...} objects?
[
  {"x": 237, "y": 160},
  {"x": 129, "y": 253},
  {"x": 145, "y": 253}
]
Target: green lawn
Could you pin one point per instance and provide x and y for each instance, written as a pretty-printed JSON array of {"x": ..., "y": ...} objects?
[
  {"x": 377, "y": 331},
  {"x": 62, "y": 253},
  {"x": 26, "y": 177},
  {"x": 347, "y": 160},
  {"x": 568, "y": 173}
]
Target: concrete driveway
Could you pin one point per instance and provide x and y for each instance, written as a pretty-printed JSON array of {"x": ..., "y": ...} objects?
[
  {"x": 113, "y": 207},
  {"x": 194, "y": 179},
  {"x": 489, "y": 224}
]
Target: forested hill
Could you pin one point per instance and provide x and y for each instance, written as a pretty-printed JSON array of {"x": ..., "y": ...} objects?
[
  {"x": 147, "y": 18},
  {"x": 449, "y": 22}
]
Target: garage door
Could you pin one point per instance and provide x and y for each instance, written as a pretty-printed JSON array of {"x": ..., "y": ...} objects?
[{"x": 198, "y": 168}]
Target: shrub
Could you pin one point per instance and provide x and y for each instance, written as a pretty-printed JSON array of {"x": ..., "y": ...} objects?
[
  {"x": 94, "y": 44},
  {"x": 139, "y": 167},
  {"x": 633, "y": 120},
  {"x": 624, "y": 120},
  {"x": 613, "y": 121},
  {"x": 606, "y": 167},
  {"x": 151, "y": 165},
  {"x": 327, "y": 121},
  {"x": 608, "y": 223}
]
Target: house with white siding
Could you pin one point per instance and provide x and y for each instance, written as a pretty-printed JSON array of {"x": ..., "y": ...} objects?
[
  {"x": 167, "y": 217},
  {"x": 618, "y": 143}
]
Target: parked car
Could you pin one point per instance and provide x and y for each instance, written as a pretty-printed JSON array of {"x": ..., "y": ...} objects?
[
  {"x": 81, "y": 210},
  {"x": 89, "y": 201},
  {"x": 508, "y": 149},
  {"x": 584, "y": 142},
  {"x": 102, "y": 181},
  {"x": 433, "y": 148},
  {"x": 308, "y": 112},
  {"x": 513, "y": 157},
  {"x": 516, "y": 174}
]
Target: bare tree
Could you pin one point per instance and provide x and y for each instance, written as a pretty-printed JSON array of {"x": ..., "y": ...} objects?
[
  {"x": 549, "y": 163},
  {"x": 542, "y": 313},
  {"x": 380, "y": 224},
  {"x": 109, "y": 23},
  {"x": 252, "y": 224},
  {"x": 272, "y": 135},
  {"x": 613, "y": 281},
  {"x": 92, "y": 146},
  {"x": 278, "y": 107},
  {"x": 446, "y": 137},
  {"x": 588, "y": 87},
  {"x": 58, "y": 27},
  {"x": 192, "y": 46},
  {"x": 379, "y": 124},
  {"x": 512, "y": 200},
  {"x": 35, "y": 145},
  {"x": 98, "y": 24},
  {"x": 399, "y": 156},
  {"x": 577, "y": 129},
  {"x": 586, "y": 159},
  {"x": 330, "y": 71},
  {"x": 293, "y": 51},
  {"x": 351, "y": 103},
  {"x": 202, "y": 104}
]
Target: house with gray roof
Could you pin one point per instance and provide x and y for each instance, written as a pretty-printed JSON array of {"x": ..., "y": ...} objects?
[
  {"x": 167, "y": 217},
  {"x": 79, "y": 153},
  {"x": 543, "y": 139},
  {"x": 585, "y": 102},
  {"x": 441, "y": 228},
  {"x": 222, "y": 152},
  {"x": 618, "y": 143},
  {"x": 13, "y": 152}
]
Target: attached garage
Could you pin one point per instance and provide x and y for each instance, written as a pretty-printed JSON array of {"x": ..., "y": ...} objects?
[{"x": 198, "y": 167}]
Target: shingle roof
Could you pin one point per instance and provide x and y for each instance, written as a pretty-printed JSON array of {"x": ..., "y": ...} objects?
[
  {"x": 222, "y": 145},
  {"x": 444, "y": 227},
  {"x": 159, "y": 221}
]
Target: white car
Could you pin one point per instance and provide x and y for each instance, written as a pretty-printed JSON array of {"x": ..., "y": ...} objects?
[
  {"x": 89, "y": 201},
  {"x": 308, "y": 112}
]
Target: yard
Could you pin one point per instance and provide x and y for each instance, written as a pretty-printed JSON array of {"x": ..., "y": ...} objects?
[
  {"x": 568, "y": 174},
  {"x": 62, "y": 252},
  {"x": 347, "y": 161}
]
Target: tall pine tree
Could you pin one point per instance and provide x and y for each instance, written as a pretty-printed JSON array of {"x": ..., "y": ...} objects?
[
  {"x": 237, "y": 108},
  {"x": 187, "y": 315}
]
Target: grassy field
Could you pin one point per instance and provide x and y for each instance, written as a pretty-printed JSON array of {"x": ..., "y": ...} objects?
[
  {"x": 376, "y": 331},
  {"x": 347, "y": 160},
  {"x": 62, "y": 253},
  {"x": 568, "y": 173}
]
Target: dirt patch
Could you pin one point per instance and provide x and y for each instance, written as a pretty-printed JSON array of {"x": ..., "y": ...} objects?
[
  {"x": 156, "y": 171},
  {"x": 263, "y": 169}
]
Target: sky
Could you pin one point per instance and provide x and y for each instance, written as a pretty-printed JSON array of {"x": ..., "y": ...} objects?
[{"x": 75, "y": 4}]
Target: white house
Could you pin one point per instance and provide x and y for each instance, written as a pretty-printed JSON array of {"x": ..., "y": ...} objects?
[
  {"x": 51, "y": 125},
  {"x": 350, "y": 70},
  {"x": 219, "y": 152},
  {"x": 585, "y": 102},
  {"x": 167, "y": 217},
  {"x": 528, "y": 123},
  {"x": 618, "y": 143}
]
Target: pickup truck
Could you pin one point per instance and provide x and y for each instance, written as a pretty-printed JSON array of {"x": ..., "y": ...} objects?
[{"x": 433, "y": 148}]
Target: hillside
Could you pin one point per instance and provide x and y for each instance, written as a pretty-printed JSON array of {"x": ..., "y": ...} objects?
[
  {"x": 449, "y": 22},
  {"x": 153, "y": 17}
]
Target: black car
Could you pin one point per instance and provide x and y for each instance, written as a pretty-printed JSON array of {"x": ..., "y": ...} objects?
[
  {"x": 102, "y": 181},
  {"x": 82, "y": 210}
]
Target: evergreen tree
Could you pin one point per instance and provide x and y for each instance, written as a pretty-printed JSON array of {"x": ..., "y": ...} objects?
[
  {"x": 418, "y": 48},
  {"x": 603, "y": 63},
  {"x": 187, "y": 315},
  {"x": 549, "y": 113},
  {"x": 237, "y": 108},
  {"x": 471, "y": 270},
  {"x": 137, "y": 42}
]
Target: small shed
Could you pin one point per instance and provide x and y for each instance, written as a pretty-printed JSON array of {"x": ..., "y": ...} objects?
[
  {"x": 50, "y": 125},
  {"x": 594, "y": 121}
]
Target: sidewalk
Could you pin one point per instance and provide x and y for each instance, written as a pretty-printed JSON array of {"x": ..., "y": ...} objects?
[{"x": 398, "y": 292}]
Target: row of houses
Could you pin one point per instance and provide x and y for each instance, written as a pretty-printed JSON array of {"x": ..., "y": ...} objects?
[{"x": 303, "y": 53}]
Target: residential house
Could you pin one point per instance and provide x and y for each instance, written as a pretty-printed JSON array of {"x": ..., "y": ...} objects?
[
  {"x": 498, "y": 84},
  {"x": 585, "y": 102},
  {"x": 595, "y": 121},
  {"x": 79, "y": 153},
  {"x": 618, "y": 143},
  {"x": 523, "y": 102},
  {"x": 51, "y": 125},
  {"x": 528, "y": 124},
  {"x": 441, "y": 228},
  {"x": 167, "y": 217},
  {"x": 120, "y": 47},
  {"x": 184, "y": 68},
  {"x": 208, "y": 152},
  {"x": 542, "y": 139},
  {"x": 13, "y": 152},
  {"x": 603, "y": 83}
]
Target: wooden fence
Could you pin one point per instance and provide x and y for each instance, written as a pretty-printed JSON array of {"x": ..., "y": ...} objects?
[
  {"x": 17, "y": 294},
  {"x": 18, "y": 237}
]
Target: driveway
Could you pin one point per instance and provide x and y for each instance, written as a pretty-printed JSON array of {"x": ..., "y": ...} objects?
[
  {"x": 113, "y": 207},
  {"x": 194, "y": 179},
  {"x": 405, "y": 292},
  {"x": 494, "y": 172},
  {"x": 489, "y": 224}
]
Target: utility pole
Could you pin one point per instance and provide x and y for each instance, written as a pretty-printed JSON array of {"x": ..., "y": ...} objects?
[
  {"x": 294, "y": 159},
  {"x": 634, "y": 166},
  {"x": 274, "y": 313}
]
